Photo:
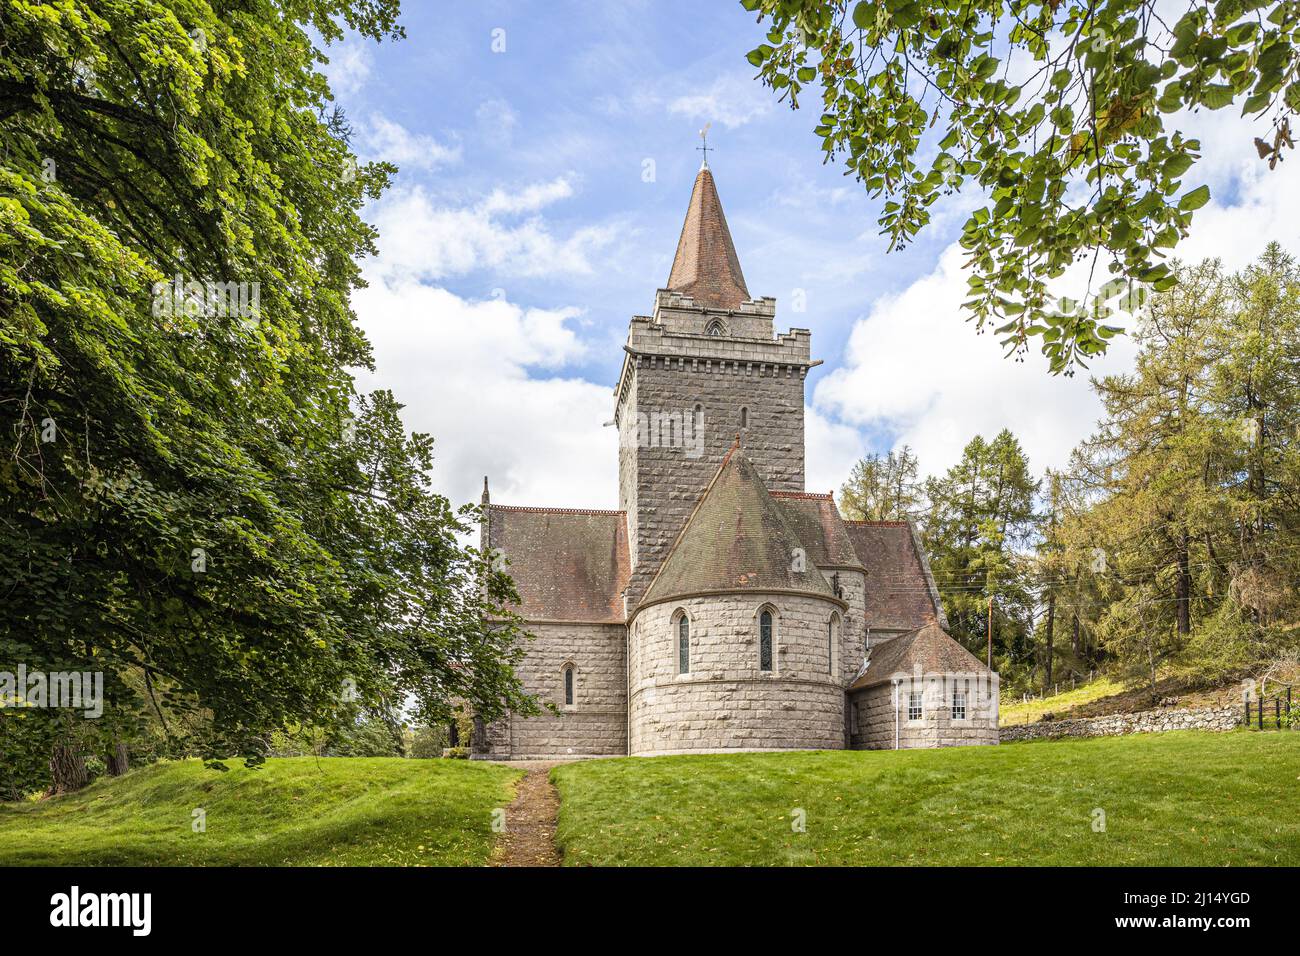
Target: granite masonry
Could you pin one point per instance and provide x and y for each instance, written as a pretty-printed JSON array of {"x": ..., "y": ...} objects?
[
  {"x": 723, "y": 606},
  {"x": 1111, "y": 725}
]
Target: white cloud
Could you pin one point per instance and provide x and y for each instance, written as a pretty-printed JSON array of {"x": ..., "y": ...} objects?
[
  {"x": 832, "y": 449},
  {"x": 529, "y": 199},
  {"x": 421, "y": 238},
  {"x": 466, "y": 372},
  {"x": 915, "y": 368},
  {"x": 384, "y": 139},
  {"x": 349, "y": 66},
  {"x": 732, "y": 100},
  {"x": 1263, "y": 201}
]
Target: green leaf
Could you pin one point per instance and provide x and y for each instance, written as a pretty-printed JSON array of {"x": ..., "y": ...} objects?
[
  {"x": 1176, "y": 165},
  {"x": 1216, "y": 95},
  {"x": 1195, "y": 199}
]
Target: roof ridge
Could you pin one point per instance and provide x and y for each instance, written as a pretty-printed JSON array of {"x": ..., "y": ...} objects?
[
  {"x": 558, "y": 511},
  {"x": 878, "y": 524},
  {"x": 819, "y": 496}
]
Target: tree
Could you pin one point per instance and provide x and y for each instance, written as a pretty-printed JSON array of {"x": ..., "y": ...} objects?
[
  {"x": 1151, "y": 456},
  {"x": 1256, "y": 391},
  {"x": 194, "y": 501},
  {"x": 981, "y": 519},
  {"x": 1185, "y": 496},
  {"x": 883, "y": 488},
  {"x": 1050, "y": 567},
  {"x": 1056, "y": 110}
]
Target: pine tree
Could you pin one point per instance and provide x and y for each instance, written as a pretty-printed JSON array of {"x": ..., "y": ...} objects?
[
  {"x": 883, "y": 488},
  {"x": 981, "y": 518}
]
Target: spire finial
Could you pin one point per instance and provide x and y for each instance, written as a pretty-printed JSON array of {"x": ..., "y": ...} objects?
[
  {"x": 486, "y": 499},
  {"x": 704, "y": 137}
]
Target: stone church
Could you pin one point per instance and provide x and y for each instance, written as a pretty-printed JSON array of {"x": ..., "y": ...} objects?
[{"x": 723, "y": 607}]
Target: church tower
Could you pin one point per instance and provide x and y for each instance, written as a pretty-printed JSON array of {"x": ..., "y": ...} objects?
[{"x": 705, "y": 368}]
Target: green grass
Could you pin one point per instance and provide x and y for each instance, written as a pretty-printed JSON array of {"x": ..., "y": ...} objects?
[
  {"x": 1186, "y": 798},
  {"x": 291, "y": 812},
  {"x": 1019, "y": 711}
]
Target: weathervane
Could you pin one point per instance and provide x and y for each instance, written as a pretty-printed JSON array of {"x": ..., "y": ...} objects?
[{"x": 704, "y": 137}]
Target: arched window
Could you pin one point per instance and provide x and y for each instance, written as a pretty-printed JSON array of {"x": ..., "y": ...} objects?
[
  {"x": 744, "y": 417},
  {"x": 832, "y": 641},
  {"x": 765, "y": 640},
  {"x": 568, "y": 685},
  {"x": 715, "y": 328},
  {"x": 683, "y": 644}
]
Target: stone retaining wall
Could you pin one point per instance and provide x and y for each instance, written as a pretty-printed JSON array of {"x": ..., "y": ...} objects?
[{"x": 1147, "y": 721}]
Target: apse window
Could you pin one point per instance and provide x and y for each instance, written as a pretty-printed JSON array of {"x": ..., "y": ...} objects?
[
  {"x": 765, "y": 641},
  {"x": 568, "y": 686},
  {"x": 683, "y": 645}
]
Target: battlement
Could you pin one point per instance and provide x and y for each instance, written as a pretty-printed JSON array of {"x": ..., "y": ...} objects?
[{"x": 681, "y": 314}]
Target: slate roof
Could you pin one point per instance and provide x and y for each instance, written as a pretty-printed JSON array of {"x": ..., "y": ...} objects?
[
  {"x": 818, "y": 523},
  {"x": 928, "y": 649},
  {"x": 568, "y": 565},
  {"x": 706, "y": 266},
  {"x": 738, "y": 538},
  {"x": 898, "y": 592}
]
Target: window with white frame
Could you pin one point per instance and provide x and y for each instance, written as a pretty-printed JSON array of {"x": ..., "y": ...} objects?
[
  {"x": 914, "y": 709},
  {"x": 959, "y": 701}
]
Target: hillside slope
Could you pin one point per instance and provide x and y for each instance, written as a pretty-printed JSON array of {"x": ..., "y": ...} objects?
[{"x": 291, "y": 812}]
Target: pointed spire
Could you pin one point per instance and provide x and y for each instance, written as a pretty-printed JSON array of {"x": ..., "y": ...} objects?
[{"x": 706, "y": 267}]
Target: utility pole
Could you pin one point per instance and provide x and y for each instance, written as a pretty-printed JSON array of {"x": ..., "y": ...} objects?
[{"x": 990, "y": 632}]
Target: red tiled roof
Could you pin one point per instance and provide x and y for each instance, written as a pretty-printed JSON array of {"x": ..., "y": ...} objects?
[
  {"x": 738, "y": 538},
  {"x": 706, "y": 266},
  {"x": 820, "y": 527},
  {"x": 568, "y": 564},
  {"x": 898, "y": 594},
  {"x": 928, "y": 649}
]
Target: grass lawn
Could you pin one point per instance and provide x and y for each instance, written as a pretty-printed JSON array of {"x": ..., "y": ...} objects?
[
  {"x": 1185, "y": 798},
  {"x": 292, "y": 812}
]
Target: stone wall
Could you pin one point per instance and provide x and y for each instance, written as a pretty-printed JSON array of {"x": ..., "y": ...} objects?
[
  {"x": 661, "y": 477},
  {"x": 872, "y": 718},
  {"x": 853, "y": 630},
  {"x": 1147, "y": 721},
  {"x": 596, "y": 724},
  {"x": 725, "y": 702}
]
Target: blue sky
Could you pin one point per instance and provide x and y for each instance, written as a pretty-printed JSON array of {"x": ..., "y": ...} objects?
[{"x": 547, "y": 152}]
